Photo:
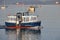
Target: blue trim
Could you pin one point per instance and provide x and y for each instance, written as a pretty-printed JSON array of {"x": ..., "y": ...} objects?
[
  {"x": 25, "y": 24},
  {"x": 10, "y": 24},
  {"x": 31, "y": 24}
]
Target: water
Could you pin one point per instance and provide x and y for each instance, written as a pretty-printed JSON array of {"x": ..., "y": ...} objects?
[
  {"x": 46, "y": 34},
  {"x": 48, "y": 14},
  {"x": 24, "y": 35}
]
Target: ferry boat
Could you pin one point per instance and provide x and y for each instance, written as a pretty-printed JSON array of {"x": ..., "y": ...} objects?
[{"x": 23, "y": 20}]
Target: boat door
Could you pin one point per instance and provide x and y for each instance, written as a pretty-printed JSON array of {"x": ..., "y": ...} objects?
[{"x": 19, "y": 16}]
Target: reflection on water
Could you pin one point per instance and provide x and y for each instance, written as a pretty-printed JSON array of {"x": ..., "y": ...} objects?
[
  {"x": 11, "y": 35},
  {"x": 23, "y": 35}
]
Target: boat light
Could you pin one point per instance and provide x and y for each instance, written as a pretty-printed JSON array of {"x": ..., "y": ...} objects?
[
  {"x": 19, "y": 4},
  {"x": 57, "y": 2},
  {"x": 3, "y": 7}
]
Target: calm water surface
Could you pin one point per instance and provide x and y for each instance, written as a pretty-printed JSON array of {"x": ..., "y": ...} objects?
[{"x": 24, "y": 35}]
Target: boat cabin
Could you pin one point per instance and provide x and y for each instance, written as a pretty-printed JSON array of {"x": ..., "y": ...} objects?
[{"x": 24, "y": 18}]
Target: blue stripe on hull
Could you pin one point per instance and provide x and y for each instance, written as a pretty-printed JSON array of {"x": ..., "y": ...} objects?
[
  {"x": 24, "y": 24},
  {"x": 31, "y": 24},
  {"x": 10, "y": 24}
]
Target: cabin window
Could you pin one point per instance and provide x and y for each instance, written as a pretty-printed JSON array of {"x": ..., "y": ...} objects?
[
  {"x": 33, "y": 18},
  {"x": 13, "y": 19},
  {"x": 27, "y": 19}
]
